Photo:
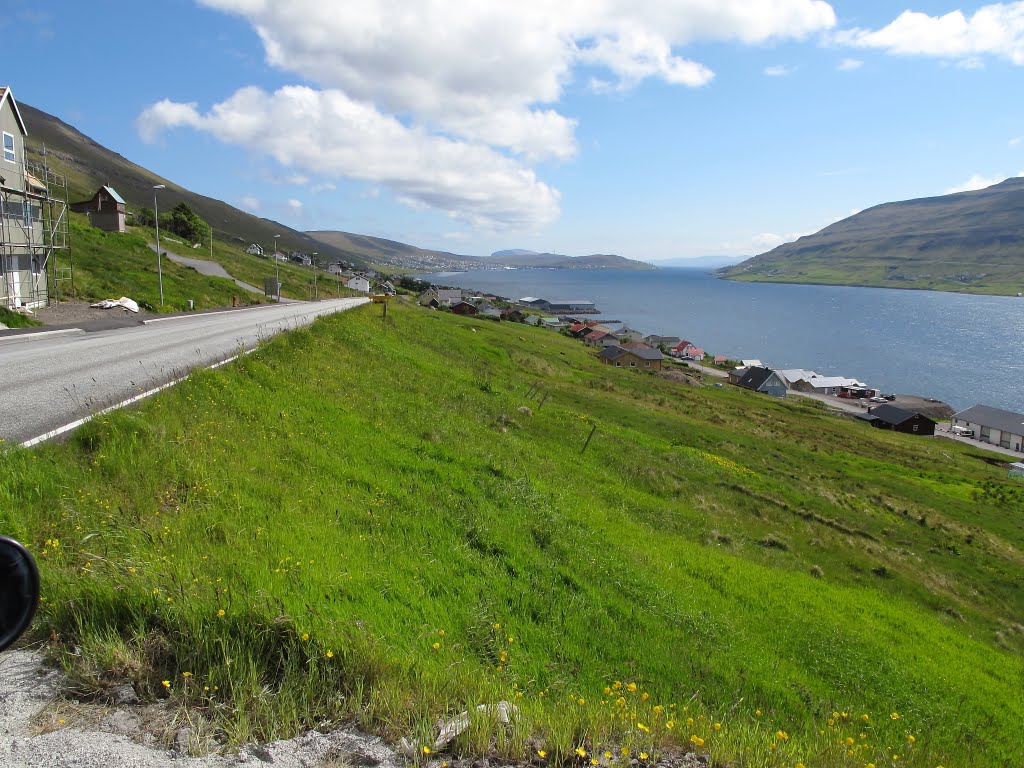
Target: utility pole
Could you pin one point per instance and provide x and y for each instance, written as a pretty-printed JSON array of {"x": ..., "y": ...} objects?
[
  {"x": 316, "y": 296},
  {"x": 159, "y": 267}
]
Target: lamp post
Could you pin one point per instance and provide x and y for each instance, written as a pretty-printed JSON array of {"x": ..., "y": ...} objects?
[
  {"x": 159, "y": 263},
  {"x": 277, "y": 269},
  {"x": 316, "y": 296}
]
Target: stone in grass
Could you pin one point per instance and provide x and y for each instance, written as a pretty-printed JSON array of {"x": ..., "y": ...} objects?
[
  {"x": 122, "y": 695},
  {"x": 449, "y": 730}
]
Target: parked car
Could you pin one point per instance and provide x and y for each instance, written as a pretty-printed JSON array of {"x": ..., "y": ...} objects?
[
  {"x": 961, "y": 431},
  {"x": 889, "y": 397},
  {"x": 877, "y": 399}
]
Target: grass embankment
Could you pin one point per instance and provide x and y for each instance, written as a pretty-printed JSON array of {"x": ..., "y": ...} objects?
[
  {"x": 358, "y": 521},
  {"x": 13, "y": 319},
  {"x": 108, "y": 265}
]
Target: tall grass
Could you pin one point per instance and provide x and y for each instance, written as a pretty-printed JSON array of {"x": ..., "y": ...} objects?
[{"x": 394, "y": 521}]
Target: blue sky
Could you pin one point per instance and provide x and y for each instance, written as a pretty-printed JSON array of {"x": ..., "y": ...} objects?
[{"x": 660, "y": 130}]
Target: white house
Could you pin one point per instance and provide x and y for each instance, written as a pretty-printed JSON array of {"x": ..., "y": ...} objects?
[
  {"x": 358, "y": 283},
  {"x": 993, "y": 425},
  {"x": 255, "y": 249},
  {"x": 23, "y": 253}
]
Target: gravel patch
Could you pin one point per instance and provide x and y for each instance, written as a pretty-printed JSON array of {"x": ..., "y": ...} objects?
[
  {"x": 70, "y": 312},
  {"x": 40, "y": 729}
]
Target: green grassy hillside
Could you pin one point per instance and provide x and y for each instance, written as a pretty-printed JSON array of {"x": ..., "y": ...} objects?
[
  {"x": 391, "y": 521},
  {"x": 972, "y": 242},
  {"x": 111, "y": 264}
]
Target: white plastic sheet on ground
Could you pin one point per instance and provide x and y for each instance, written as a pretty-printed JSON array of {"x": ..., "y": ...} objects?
[{"x": 124, "y": 302}]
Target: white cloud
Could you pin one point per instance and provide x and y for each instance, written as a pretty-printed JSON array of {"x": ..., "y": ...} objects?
[
  {"x": 1016, "y": 141},
  {"x": 294, "y": 207},
  {"x": 977, "y": 181},
  {"x": 331, "y": 135},
  {"x": 992, "y": 30},
  {"x": 768, "y": 240},
  {"x": 849, "y": 65},
  {"x": 453, "y": 101},
  {"x": 779, "y": 70}
]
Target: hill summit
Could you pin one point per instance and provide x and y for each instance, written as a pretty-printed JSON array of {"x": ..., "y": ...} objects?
[{"x": 968, "y": 241}]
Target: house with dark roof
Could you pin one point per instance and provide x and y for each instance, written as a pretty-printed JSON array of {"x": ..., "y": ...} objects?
[
  {"x": 898, "y": 420},
  {"x": 993, "y": 425},
  {"x": 763, "y": 380},
  {"x": 645, "y": 359},
  {"x": 440, "y": 297},
  {"x": 105, "y": 209},
  {"x": 464, "y": 308}
]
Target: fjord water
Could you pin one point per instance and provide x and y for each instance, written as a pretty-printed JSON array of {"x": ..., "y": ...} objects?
[{"x": 958, "y": 348}]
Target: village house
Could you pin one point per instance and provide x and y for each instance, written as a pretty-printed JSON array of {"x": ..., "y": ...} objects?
[
  {"x": 358, "y": 283},
  {"x": 764, "y": 380},
  {"x": 662, "y": 341},
  {"x": 898, "y": 420},
  {"x": 387, "y": 288},
  {"x": 464, "y": 308},
  {"x": 440, "y": 297},
  {"x": 560, "y": 305},
  {"x": 255, "y": 249},
  {"x": 105, "y": 210},
  {"x": 825, "y": 385},
  {"x": 993, "y": 425},
  {"x": 629, "y": 334},
  {"x": 646, "y": 359},
  {"x": 23, "y": 254}
]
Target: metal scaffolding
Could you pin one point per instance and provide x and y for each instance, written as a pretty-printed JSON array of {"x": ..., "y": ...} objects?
[{"x": 35, "y": 249}]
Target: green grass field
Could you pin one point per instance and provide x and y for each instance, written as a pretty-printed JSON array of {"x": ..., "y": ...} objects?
[{"x": 391, "y": 521}]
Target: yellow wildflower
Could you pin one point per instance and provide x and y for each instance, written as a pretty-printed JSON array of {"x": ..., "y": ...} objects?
[
  {"x": 426, "y": 750},
  {"x": 435, "y": 646},
  {"x": 717, "y": 726},
  {"x": 895, "y": 715},
  {"x": 911, "y": 738},
  {"x": 329, "y": 654},
  {"x": 165, "y": 683},
  {"x": 581, "y": 752},
  {"x": 305, "y": 637},
  {"x": 221, "y": 613},
  {"x": 582, "y": 702},
  {"x": 697, "y": 741},
  {"x": 186, "y": 675},
  {"x": 540, "y": 753},
  {"x": 643, "y": 755},
  {"x": 631, "y": 687}
]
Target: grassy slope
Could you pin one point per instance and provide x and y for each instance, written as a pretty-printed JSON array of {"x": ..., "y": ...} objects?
[
  {"x": 110, "y": 264},
  {"x": 377, "y": 487},
  {"x": 968, "y": 242}
]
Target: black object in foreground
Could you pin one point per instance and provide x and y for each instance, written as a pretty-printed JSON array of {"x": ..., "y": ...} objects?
[{"x": 19, "y": 590}]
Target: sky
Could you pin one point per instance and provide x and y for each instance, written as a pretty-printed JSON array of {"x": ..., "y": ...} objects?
[{"x": 657, "y": 130}]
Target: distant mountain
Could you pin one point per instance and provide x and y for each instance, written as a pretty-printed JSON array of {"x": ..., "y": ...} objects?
[
  {"x": 519, "y": 257},
  {"x": 89, "y": 164},
  {"x": 703, "y": 262},
  {"x": 969, "y": 241},
  {"x": 514, "y": 252},
  {"x": 396, "y": 254}
]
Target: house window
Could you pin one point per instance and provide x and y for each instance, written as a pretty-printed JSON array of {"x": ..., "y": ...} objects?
[
  {"x": 647, "y": 363},
  {"x": 915, "y": 427},
  {"x": 9, "y": 147},
  {"x": 632, "y": 364}
]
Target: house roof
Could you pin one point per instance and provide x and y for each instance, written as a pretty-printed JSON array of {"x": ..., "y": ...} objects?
[
  {"x": 890, "y": 414},
  {"x": 595, "y": 335},
  {"x": 615, "y": 352},
  {"x": 113, "y": 194},
  {"x": 664, "y": 339},
  {"x": 683, "y": 344},
  {"x": 6, "y": 95},
  {"x": 830, "y": 381},
  {"x": 756, "y": 377},
  {"x": 793, "y": 375},
  {"x": 996, "y": 418},
  {"x": 752, "y": 363}
]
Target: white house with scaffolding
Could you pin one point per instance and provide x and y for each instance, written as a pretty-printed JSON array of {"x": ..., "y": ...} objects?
[{"x": 33, "y": 218}]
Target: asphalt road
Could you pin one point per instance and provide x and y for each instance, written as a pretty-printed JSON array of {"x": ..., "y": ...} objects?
[{"x": 51, "y": 379}]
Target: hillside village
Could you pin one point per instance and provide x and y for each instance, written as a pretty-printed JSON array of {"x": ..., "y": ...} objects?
[{"x": 620, "y": 346}]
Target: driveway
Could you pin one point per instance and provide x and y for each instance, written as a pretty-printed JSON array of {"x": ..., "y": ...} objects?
[{"x": 211, "y": 269}]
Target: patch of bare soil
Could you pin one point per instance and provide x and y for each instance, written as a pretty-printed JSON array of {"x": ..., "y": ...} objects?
[{"x": 70, "y": 312}]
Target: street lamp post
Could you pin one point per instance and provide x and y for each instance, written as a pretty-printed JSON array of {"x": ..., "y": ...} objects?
[
  {"x": 277, "y": 269},
  {"x": 316, "y": 296},
  {"x": 159, "y": 263}
]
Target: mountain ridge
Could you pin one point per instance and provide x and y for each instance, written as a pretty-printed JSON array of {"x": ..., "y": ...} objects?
[{"x": 965, "y": 241}]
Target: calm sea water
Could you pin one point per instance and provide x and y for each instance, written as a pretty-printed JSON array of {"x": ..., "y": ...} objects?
[{"x": 961, "y": 349}]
